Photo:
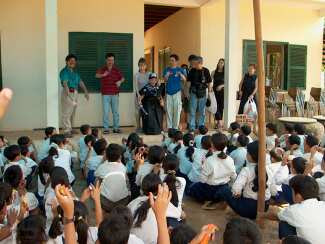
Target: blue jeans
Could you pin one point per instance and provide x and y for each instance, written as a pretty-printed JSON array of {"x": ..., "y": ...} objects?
[
  {"x": 91, "y": 177},
  {"x": 111, "y": 101},
  {"x": 205, "y": 192},
  {"x": 197, "y": 104}
]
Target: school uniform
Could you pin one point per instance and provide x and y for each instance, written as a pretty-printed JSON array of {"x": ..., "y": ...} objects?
[
  {"x": 271, "y": 142},
  {"x": 232, "y": 142},
  {"x": 250, "y": 139},
  {"x": 148, "y": 231},
  {"x": 114, "y": 187},
  {"x": 215, "y": 175},
  {"x": 246, "y": 204},
  {"x": 41, "y": 188},
  {"x": 30, "y": 166},
  {"x": 283, "y": 140},
  {"x": 20, "y": 164},
  {"x": 199, "y": 157},
  {"x": 321, "y": 185},
  {"x": 239, "y": 157},
  {"x": 281, "y": 178},
  {"x": 83, "y": 151},
  {"x": 43, "y": 151},
  {"x": 197, "y": 141},
  {"x": 166, "y": 142},
  {"x": 296, "y": 153},
  {"x": 172, "y": 146},
  {"x": 185, "y": 164},
  {"x": 63, "y": 160},
  {"x": 307, "y": 218},
  {"x": 143, "y": 171},
  {"x": 92, "y": 164}
]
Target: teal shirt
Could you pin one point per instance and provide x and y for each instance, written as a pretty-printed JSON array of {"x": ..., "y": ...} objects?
[{"x": 72, "y": 77}]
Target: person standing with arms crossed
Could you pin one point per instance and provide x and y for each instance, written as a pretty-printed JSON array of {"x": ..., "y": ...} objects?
[
  {"x": 173, "y": 76},
  {"x": 70, "y": 81},
  {"x": 111, "y": 79}
]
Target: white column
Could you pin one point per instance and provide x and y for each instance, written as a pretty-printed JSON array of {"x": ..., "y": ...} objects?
[
  {"x": 51, "y": 52},
  {"x": 232, "y": 64}
]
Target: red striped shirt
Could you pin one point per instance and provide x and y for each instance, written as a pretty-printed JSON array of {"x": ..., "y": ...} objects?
[{"x": 108, "y": 83}]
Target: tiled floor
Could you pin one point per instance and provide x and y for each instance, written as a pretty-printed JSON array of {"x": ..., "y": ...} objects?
[{"x": 196, "y": 217}]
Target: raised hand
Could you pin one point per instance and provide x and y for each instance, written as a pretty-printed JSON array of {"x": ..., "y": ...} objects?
[
  {"x": 95, "y": 192},
  {"x": 5, "y": 98},
  {"x": 160, "y": 204},
  {"x": 12, "y": 216},
  {"x": 65, "y": 200}
]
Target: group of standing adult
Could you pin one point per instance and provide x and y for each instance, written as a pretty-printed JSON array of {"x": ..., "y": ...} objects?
[{"x": 184, "y": 88}]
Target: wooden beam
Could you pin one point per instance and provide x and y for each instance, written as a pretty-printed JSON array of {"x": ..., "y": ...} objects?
[{"x": 261, "y": 112}]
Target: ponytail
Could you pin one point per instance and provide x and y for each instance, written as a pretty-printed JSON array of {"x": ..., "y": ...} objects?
[
  {"x": 141, "y": 213},
  {"x": 222, "y": 155},
  {"x": 176, "y": 149},
  {"x": 209, "y": 153},
  {"x": 172, "y": 184},
  {"x": 220, "y": 141},
  {"x": 81, "y": 229},
  {"x": 55, "y": 228},
  {"x": 255, "y": 180},
  {"x": 189, "y": 152},
  {"x": 178, "y": 137},
  {"x": 45, "y": 167},
  {"x": 53, "y": 152}
]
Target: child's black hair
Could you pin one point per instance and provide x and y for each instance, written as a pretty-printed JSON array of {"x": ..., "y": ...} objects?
[
  {"x": 113, "y": 230},
  {"x": 80, "y": 222},
  {"x": 272, "y": 127},
  {"x": 203, "y": 129},
  {"x": 95, "y": 132},
  {"x": 311, "y": 141},
  {"x": 114, "y": 152},
  {"x": 220, "y": 142},
  {"x": 234, "y": 126},
  {"x": 239, "y": 230},
  {"x": 24, "y": 150},
  {"x": 299, "y": 164},
  {"x": 125, "y": 214},
  {"x": 294, "y": 240},
  {"x": 156, "y": 155},
  {"x": 277, "y": 157},
  {"x": 59, "y": 176},
  {"x": 170, "y": 166},
  {"x": 246, "y": 130},
  {"x": 5, "y": 194},
  {"x": 188, "y": 141},
  {"x": 304, "y": 185},
  {"x": 289, "y": 128},
  {"x": 23, "y": 140},
  {"x": 100, "y": 146},
  {"x": 45, "y": 167},
  {"x": 84, "y": 129},
  {"x": 182, "y": 233},
  {"x": 13, "y": 176},
  {"x": 171, "y": 133},
  {"x": 206, "y": 144},
  {"x": 58, "y": 139},
  {"x": 89, "y": 139},
  {"x": 299, "y": 129},
  {"x": 133, "y": 141},
  {"x": 294, "y": 140},
  {"x": 242, "y": 140},
  {"x": 149, "y": 184},
  {"x": 252, "y": 150},
  {"x": 11, "y": 152},
  {"x": 178, "y": 137},
  {"x": 31, "y": 230},
  {"x": 49, "y": 131}
]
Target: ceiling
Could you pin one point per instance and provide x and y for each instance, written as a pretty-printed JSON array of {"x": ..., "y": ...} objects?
[
  {"x": 178, "y": 3},
  {"x": 153, "y": 14}
]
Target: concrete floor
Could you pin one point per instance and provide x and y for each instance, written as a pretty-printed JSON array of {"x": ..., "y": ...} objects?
[{"x": 196, "y": 217}]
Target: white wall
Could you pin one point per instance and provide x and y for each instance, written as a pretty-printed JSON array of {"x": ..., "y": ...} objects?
[
  {"x": 23, "y": 54},
  {"x": 287, "y": 22},
  {"x": 23, "y": 62},
  {"x": 180, "y": 31}
]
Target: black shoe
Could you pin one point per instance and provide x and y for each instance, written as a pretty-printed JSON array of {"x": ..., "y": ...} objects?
[
  {"x": 117, "y": 131},
  {"x": 105, "y": 132}
]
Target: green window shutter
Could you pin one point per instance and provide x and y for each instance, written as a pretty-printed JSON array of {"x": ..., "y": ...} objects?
[
  {"x": 250, "y": 53},
  {"x": 297, "y": 66},
  {"x": 91, "y": 47}
]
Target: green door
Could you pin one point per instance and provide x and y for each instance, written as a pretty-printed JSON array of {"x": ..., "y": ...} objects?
[
  {"x": 250, "y": 54},
  {"x": 297, "y": 66}
]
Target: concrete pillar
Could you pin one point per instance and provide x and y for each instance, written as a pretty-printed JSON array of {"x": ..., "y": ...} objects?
[
  {"x": 51, "y": 52},
  {"x": 232, "y": 64}
]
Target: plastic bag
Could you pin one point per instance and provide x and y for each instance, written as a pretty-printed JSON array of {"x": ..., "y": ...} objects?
[
  {"x": 250, "y": 109},
  {"x": 213, "y": 103}
]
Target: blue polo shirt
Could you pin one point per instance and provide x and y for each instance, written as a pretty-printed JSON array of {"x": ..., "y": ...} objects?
[
  {"x": 72, "y": 77},
  {"x": 174, "y": 83}
]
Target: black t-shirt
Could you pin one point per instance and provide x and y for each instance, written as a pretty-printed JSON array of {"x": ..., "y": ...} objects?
[
  {"x": 199, "y": 78},
  {"x": 218, "y": 79}
]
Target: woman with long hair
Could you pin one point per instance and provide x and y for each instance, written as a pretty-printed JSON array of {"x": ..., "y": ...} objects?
[{"x": 218, "y": 76}]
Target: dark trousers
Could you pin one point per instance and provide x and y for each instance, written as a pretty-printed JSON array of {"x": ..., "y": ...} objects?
[
  {"x": 205, "y": 192},
  {"x": 285, "y": 195},
  {"x": 220, "y": 104},
  {"x": 91, "y": 177},
  {"x": 286, "y": 230}
]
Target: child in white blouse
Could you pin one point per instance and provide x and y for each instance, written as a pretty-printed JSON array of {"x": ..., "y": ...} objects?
[
  {"x": 177, "y": 142},
  {"x": 45, "y": 145},
  {"x": 299, "y": 130},
  {"x": 311, "y": 153},
  {"x": 321, "y": 182},
  {"x": 293, "y": 146},
  {"x": 243, "y": 198},
  {"x": 185, "y": 155},
  {"x": 271, "y": 136},
  {"x": 217, "y": 171},
  {"x": 203, "y": 130},
  {"x": 233, "y": 131},
  {"x": 239, "y": 155},
  {"x": 166, "y": 141}
]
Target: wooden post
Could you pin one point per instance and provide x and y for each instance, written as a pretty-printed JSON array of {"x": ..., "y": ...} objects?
[{"x": 261, "y": 111}]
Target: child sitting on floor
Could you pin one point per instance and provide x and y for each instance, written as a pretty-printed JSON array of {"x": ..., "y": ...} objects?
[
  {"x": 45, "y": 144},
  {"x": 12, "y": 153},
  {"x": 168, "y": 140},
  {"x": 293, "y": 146},
  {"x": 177, "y": 142},
  {"x": 287, "y": 131},
  {"x": 246, "y": 130},
  {"x": 203, "y": 130},
  {"x": 321, "y": 182},
  {"x": 26, "y": 141},
  {"x": 29, "y": 163},
  {"x": 299, "y": 130},
  {"x": 271, "y": 136},
  {"x": 83, "y": 148},
  {"x": 185, "y": 155},
  {"x": 233, "y": 131},
  {"x": 239, "y": 155},
  {"x": 311, "y": 153}
]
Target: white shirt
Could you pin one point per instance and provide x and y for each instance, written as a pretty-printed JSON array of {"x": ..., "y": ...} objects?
[
  {"x": 64, "y": 161},
  {"x": 114, "y": 185},
  {"x": 44, "y": 149},
  {"x": 148, "y": 232},
  {"x": 239, "y": 157},
  {"x": 244, "y": 183},
  {"x": 40, "y": 186},
  {"x": 94, "y": 161},
  {"x": 197, "y": 141},
  {"x": 233, "y": 138},
  {"x": 185, "y": 165},
  {"x": 308, "y": 219},
  {"x": 217, "y": 171},
  {"x": 20, "y": 164},
  {"x": 49, "y": 197},
  {"x": 198, "y": 160},
  {"x": 283, "y": 140},
  {"x": 172, "y": 146},
  {"x": 280, "y": 174},
  {"x": 28, "y": 163},
  {"x": 143, "y": 171},
  {"x": 321, "y": 184},
  {"x": 270, "y": 142},
  {"x": 318, "y": 158}
]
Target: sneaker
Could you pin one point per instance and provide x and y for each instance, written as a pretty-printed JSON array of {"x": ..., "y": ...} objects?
[
  {"x": 117, "y": 131},
  {"x": 106, "y": 131}
]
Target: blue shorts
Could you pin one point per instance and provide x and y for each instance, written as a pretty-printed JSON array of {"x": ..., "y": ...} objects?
[{"x": 91, "y": 177}]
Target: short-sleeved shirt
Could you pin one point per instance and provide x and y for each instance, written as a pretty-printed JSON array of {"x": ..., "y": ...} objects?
[
  {"x": 108, "y": 83},
  {"x": 71, "y": 76},
  {"x": 174, "y": 83}
]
